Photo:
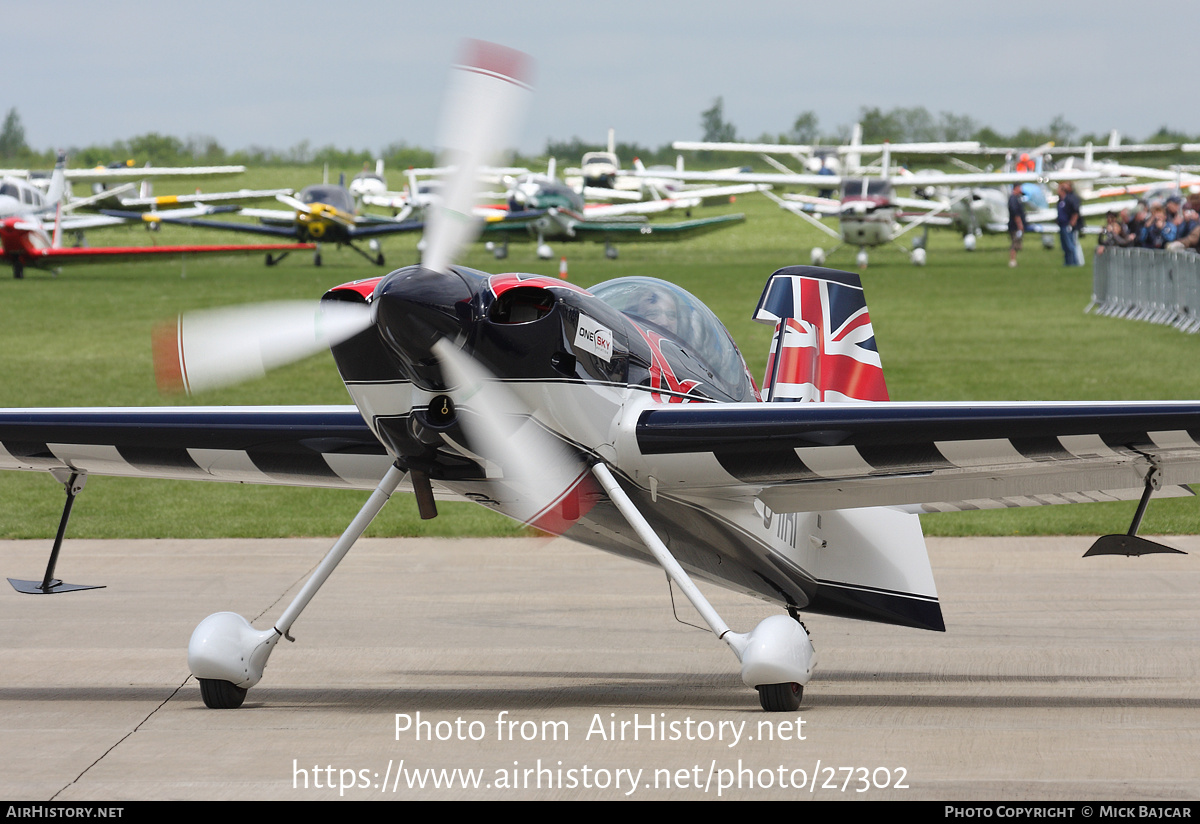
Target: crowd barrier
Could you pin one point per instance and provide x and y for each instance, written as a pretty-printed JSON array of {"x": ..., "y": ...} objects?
[{"x": 1153, "y": 285}]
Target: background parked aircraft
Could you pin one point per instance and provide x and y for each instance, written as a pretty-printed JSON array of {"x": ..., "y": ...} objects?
[
  {"x": 30, "y": 236},
  {"x": 323, "y": 213},
  {"x": 833, "y": 159},
  {"x": 869, "y": 209}
]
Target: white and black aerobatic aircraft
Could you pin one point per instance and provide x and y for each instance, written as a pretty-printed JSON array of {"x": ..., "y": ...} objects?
[{"x": 622, "y": 417}]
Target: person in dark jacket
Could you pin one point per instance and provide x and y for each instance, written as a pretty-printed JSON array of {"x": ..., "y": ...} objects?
[
  {"x": 1016, "y": 223},
  {"x": 1068, "y": 224}
]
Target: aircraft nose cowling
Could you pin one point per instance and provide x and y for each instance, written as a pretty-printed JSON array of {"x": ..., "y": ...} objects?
[{"x": 416, "y": 308}]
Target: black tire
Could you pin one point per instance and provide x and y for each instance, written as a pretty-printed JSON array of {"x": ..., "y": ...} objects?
[
  {"x": 18, "y": 268},
  {"x": 780, "y": 697},
  {"x": 317, "y": 259},
  {"x": 221, "y": 695},
  {"x": 379, "y": 261}
]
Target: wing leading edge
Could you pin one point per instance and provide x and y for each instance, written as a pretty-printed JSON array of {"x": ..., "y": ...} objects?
[
  {"x": 811, "y": 457},
  {"x": 327, "y": 446}
]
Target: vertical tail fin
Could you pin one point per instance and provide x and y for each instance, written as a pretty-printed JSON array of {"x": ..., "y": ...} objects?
[
  {"x": 854, "y": 158},
  {"x": 58, "y": 181},
  {"x": 823, "y": 348}
]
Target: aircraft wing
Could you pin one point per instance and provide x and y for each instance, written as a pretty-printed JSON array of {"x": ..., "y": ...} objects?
[
  {"x": 1049, "y": 216},
  {"x": 916, "y": 179},
  {"x": 769, "y": 178},
  {"x": 623, "y": 229},
  {"x": 328, "y": 446},
  {"x": 77, "y": 223},
  {"x": 930, "y": 457},
  {"x": 113, "y": 254},
  {"x": 104, "y": 175},
  {"x": 239, "y": 196},
  {"x": 649, "y": 232},
  {"x": 941, "y": 220},
  {"x": 641, "y": 207},
  {"x": 231, "y": 226},
  {"x": 377, "y": 228},
  {"x": 796, "y": 149}
]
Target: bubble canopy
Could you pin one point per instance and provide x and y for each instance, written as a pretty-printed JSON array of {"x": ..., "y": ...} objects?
[{"x": 676, "y": 313}]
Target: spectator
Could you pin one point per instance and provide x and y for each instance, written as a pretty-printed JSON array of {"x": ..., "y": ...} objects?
[
  {"x": 1016, "y": 224},
  {"x": 1068, "y": 224}
]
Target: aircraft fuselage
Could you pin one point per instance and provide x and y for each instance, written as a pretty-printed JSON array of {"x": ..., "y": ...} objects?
[{"x": 586, "y": 365}]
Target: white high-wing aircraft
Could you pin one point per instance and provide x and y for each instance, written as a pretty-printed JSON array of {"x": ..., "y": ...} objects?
[
  {"x": 622, "y": 417},
  {"x": 423, "y": 190},
  {"x": 835, "y": 159},
  {"x": 869, "y": 210},
  {"x": 127, "y": 172},
  {"x": 976, "y": 210}
]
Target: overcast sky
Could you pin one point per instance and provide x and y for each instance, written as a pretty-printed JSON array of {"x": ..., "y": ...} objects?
[{"x": 362, "y": 75}]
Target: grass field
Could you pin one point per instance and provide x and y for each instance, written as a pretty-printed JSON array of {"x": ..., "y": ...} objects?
[{"x": 963, "y": 327}]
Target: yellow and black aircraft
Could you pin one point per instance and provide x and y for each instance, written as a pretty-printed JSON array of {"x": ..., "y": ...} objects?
[{"x": 323, "y": 213}]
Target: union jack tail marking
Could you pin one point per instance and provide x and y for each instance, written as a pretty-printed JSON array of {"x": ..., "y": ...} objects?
[{"x": 824, "y": 347}]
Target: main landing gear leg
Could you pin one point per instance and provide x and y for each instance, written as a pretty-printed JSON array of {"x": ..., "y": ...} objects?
[
  {"x": 73, "y": 483},
  {"x": 777, "y": 656},
  {"x": 377, "y": 259},
  {"x": 227, "y": 655}
]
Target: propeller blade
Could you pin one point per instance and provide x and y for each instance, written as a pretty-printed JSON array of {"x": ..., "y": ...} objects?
[
  {"x": 551, "y": 483},
  {"x": 294, "y": 203},
  {"x": 217, "y": 347},
  {"x": 486, "y": 98}
]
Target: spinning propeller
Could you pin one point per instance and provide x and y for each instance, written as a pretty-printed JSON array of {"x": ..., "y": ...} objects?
[
  {"x": 218, "y": 347},
  {"x": 207, "y": 349}
]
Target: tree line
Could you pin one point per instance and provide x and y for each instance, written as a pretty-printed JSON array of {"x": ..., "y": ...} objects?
[
  {"x": 899, "y": 125},
  {"x": 918, "y": 125}
]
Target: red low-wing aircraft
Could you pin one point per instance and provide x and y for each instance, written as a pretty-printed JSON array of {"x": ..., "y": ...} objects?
[
  {"x": 623, "y": 417},
  {"x": 27, "y": 240}
]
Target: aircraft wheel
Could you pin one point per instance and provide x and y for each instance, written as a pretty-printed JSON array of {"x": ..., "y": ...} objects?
[
  {"x": 500, "y": 252},
  {"x": 610, "y": 252},
  {"x": 270, "y": 260},
  {"x": 317, "y": 259},
  {"x": 379, "y": 260},
  {"x": 221, "y": 695},
  {"x": 18, "y": 269},
  {"x": 780, "y": 697}
]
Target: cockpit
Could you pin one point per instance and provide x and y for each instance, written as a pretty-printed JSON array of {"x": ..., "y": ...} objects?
[
  {"x": 539, "y": 192},
  {"x": 25, "y": 195},
  {"x": 679, "y": 316},
  {"x": 334, "y": 196},
  {"x": 866, "y": 188}
]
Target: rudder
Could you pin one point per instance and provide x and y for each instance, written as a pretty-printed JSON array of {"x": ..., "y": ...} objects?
[{"x": 823, "y": 348}]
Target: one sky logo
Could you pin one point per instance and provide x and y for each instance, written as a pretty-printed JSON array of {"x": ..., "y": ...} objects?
[{"x": 595, "y": 338}]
